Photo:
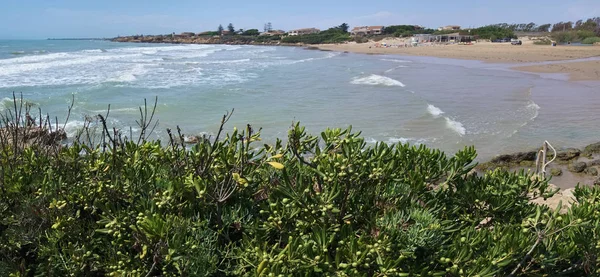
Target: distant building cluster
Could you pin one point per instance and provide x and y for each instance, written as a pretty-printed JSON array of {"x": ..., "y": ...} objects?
[
  {"x": 356, "y": 31},
  {"x": 304, "y": 31},
  {"x": 367, "y": 30},
  {"x": 449, "y": 28}
]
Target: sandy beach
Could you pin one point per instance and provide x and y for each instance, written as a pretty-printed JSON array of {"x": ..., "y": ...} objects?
[{"x": 495, "y": 53}]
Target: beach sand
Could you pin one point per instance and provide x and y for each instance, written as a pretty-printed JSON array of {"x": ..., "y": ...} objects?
[
  {"x": 578, "y": 71},
  {"x": 495, "y": 53}
]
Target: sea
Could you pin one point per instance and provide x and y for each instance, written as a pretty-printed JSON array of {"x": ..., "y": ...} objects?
[{"x": 442, "y": 103}]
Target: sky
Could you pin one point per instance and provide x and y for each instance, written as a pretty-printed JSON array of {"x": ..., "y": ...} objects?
[{"x": 32, "y": 19}]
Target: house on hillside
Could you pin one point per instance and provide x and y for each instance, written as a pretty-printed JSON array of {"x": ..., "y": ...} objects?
[
  {"x": 449, "y": 28},
  {"x": 273, "y": 33},
  {"x": 304, "y": 31},
  {"x": 367, "y": 30}
]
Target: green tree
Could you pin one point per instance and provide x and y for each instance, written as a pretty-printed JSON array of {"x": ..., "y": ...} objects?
[
  {"x": 251, "y": 32},
  {"x": 230, "y": 28},
  {"x": 544, "y": 28},
  {"x": 220, "y": 29},
  {"x": 344, "y": 27}
]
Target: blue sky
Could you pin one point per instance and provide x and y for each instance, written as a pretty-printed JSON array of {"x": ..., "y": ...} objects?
[{"x": 109, "y": 18}]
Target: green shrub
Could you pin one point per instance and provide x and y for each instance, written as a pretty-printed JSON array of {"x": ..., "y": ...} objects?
[
  {"x": 591, "y": 40},
  {"x": 583, "y": 34},
  {"x": 564, "y": 36},
  {"x": 329, "y": 36},
  {"x": 314, "y": 206},
  {"x": 543, "y": 41}
]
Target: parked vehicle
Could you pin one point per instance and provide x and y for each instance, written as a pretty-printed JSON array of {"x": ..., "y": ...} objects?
[{"x": 516, "y": 42}]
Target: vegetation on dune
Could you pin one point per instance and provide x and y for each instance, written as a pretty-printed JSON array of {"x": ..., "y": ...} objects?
[
  {"x": 314, "y": 206},
  {"x": 405, "y": 30},
  {"x": 493, "y": 32},
  {"x": 578, "y": 31},
  {"x": 331, "y": 35},
  {"x": 544, "y": 41},
  {"x": 591, "y": 40}
]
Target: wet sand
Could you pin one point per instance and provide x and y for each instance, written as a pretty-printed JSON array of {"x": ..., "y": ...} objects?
[{"x": 578, "y": 71}]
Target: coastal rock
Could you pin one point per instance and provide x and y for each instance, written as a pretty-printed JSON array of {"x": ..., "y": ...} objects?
[
  {"x": 568, "y": 154},
  {"x": 191, "y": 139},
  {"x": 592, "y": 148},
  {"x": 577, "y": 167},
  {"x": 33, "y": 135},
  {"x": 556, "y": 172},
  {"x": 594, "y": 163},
  {"x": 591, "y": 171},
  {"x": 565, "y": 198},
  {"x": 515, "y": 158}
]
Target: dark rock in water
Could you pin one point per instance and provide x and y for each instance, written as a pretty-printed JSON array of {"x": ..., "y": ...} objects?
[
  {"x": 577, "y": 167},
  {"x": 594, "y": 163},
  {"x": 32, "y": 135},
  {"x": 592, "y": 148},
  {"x": 591, "y": 171},
  {"x": 191, "y": 139},
  {"x": 568, "y": 154},
  {"x": 515, "y": 158},
  {"x": 556, "y": 172}
]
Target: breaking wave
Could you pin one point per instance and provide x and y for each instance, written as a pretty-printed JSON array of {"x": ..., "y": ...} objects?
[
  {"x": 396, "y": 61},
  {"x": 455, "y": 126},
  {"x": 394, "y": 140},
  {"x": 535, "y": 108},
  {"x": 392, "y": 69},
  {"x": 434, "y": 111},
  {"x": 377, "y": 80}
]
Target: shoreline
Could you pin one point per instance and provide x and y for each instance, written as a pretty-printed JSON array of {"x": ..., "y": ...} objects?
[{"x": 564, "y": 59}]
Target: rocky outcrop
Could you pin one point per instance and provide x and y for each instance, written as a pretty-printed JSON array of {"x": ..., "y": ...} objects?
[
  {"x": 556, "y": 172},
  {"x": 577, "y": 167},
  {"x": 515, "y": 158},
  {"x": 177, "y": 39},
  {"x": 565, "y": 198},
  {"x": 568, "y": 154},
  {"x": 28, "y": 136},
  {"x": 593, "y": 163},
  {"x": 592, "y": 171},
  {"x": 592, "y": 148}
]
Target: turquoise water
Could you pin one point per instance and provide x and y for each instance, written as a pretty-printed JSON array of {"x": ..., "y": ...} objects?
[{"x": 439, "y": 102}]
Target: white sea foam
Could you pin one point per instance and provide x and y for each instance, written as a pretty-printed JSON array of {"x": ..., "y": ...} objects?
[
  {"x": 73, "y": 127},
  {"x": 392, "y": 69},
  {"x": 434, "y": 111},
  {"x": 328, "y": 56},
  {"x": 225, "y": 61},
  {"x": 370, "y": 140},
  {"x": 377, "y": 80},
  {"x": 117, "y": 110},
  {"x": 455, "y": 126},
  {"x": 535, "y": 108},
  {"x": 396, "y": 61},
  {"x": 129, "y": 75},
  {"x": 394, "y": 140}
]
